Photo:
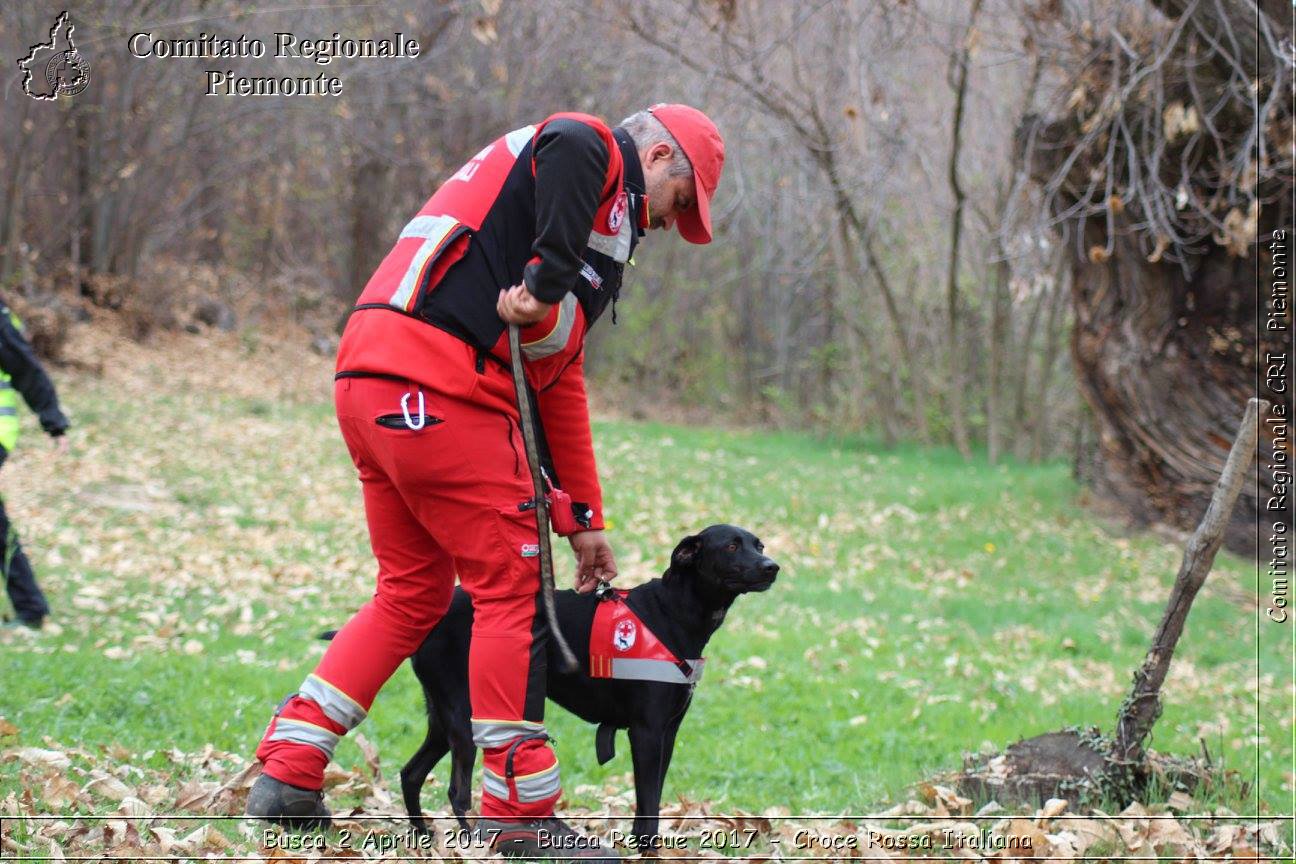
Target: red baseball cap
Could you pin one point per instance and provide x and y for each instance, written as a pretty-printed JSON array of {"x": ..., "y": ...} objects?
[{"x": 702, "y": 144}]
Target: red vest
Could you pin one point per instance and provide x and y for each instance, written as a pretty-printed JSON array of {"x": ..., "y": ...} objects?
[
  {"x": 622, "y": 646},
  {"x": 439, "y": 234},
  {"x": 426, "y": 247}
]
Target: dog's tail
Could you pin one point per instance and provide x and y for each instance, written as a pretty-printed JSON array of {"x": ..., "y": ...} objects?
[{"x": 328, "y": 635}]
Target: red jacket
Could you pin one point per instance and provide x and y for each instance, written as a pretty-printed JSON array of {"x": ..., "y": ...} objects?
[{"x": 556, "y": 206}]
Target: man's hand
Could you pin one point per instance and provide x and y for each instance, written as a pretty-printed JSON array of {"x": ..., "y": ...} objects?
[
  {"x": 594, "y": 561},
  {"x": 519, "y": 306}
]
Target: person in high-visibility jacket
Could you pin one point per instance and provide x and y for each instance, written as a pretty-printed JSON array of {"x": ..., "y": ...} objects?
[{"x": 21, "y": 372}]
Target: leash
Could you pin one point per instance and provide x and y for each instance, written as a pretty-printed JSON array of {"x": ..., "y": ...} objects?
[{"x": 527, "y": 425}]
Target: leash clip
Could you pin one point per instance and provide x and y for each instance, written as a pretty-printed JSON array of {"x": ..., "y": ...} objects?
[
  {"x": 409, "y": 421},
  {"x": 605, "y": 591}
]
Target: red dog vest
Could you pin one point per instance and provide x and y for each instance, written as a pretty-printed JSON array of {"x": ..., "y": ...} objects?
[{"x": 622, "y": 646}]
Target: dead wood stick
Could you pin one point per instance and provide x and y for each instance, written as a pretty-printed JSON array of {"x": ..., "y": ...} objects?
[{"x": 1140, "y": 711}]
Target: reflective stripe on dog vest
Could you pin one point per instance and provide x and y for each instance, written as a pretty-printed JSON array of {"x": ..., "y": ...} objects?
[{"x": 622, "y": 646}]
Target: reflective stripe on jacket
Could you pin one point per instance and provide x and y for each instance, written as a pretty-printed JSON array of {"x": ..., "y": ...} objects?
[{"x": 9, "y": 426}]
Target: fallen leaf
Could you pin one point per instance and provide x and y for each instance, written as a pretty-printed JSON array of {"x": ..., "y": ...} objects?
[
  {"x": 370, "y": 752},
  {"x": 105, "y": 784},
  {"x": 133, "y": 807},
  {"x": 1052, "y": 807},
  {"x": 1168, "y": 837},
  {"x": 43, "y": 758}
]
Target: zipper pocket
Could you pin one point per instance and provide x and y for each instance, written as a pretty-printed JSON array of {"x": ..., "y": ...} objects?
[
  {"x": 517, "y": 467},
  {"x": 397, "y": 421}
]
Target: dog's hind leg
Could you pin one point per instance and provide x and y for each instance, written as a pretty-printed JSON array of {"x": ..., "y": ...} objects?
[
  {"x": 463, "y": 755},
  {"x": 420, "y": 765}
]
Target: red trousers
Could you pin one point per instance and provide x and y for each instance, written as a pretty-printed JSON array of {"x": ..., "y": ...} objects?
[{"x": 441, "y": 500}]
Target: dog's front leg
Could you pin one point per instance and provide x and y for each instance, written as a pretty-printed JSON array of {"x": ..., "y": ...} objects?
[{"x": 650, "y": 752}]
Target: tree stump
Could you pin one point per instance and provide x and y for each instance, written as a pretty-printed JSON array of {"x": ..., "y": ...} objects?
[{"x": 1084, "y": 765}]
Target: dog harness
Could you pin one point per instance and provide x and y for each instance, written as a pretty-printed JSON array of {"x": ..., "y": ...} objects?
[{"x": 622, "y": 646}]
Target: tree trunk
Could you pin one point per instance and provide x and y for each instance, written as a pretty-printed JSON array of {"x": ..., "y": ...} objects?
[
  {"x": 1163, "y": 382},
  {"x": 1001, "y": 325},
  {"x": 83, "y": 193},
  {"x": 957, "y": 357},
  {"x": 1039, "y": 405},
  {"x": 900, "y": 335},
  {"x": 1164, "y": 351},
  {"x": 1024, "y": 352},
  {"x": 1000, "y": 310},
  {"x": 846, "y": 263},
  {"x": 11, "y": 215},
  {"x": 272, "y": 206},
  {"x": 210, "y": 204},
  {"x": 369, "y": 198}
]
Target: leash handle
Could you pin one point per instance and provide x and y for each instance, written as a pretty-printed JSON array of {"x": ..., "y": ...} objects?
[{"x": 527, "y": 425}]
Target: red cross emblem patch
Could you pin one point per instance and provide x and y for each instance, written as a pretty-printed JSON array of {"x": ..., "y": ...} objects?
[{"x": 624, "y": 637}]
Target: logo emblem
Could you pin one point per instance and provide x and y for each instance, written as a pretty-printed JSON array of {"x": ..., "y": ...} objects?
[
  {"x": 624, "y": 637},
  {"x": 530, "y": 550},
  {"x": 67, "y": 73},
  {"x": 591, "y": 276},
  {"x": 617, "y": 213}
]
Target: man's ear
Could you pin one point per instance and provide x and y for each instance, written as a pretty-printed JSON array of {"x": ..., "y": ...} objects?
[
  {"x": 659, "y": 151},
  {"x": 686, "y": 552}
]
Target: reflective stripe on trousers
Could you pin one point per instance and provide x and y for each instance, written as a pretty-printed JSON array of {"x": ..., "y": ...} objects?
[
  {"x": 337, "y": 706},
  {"x": 530, "y": 787},
  {"x": 488, "y": 734},
  {"x": 301, "y": 732}
]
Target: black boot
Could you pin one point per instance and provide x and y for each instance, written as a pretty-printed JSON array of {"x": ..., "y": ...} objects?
[
  {"x": 288, "y": 805},
  {"x": 547, "y": 839}
]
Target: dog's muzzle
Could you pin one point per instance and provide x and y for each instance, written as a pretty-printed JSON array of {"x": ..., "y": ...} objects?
[{"x": 759, "y": 578}]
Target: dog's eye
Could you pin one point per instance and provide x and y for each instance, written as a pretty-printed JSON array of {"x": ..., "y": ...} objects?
[
  {"x": 732, "y": 547},
  {"x": 760, "y": 547}
]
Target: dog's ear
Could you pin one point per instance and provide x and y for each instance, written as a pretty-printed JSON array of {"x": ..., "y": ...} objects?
[{"x": 686, "y": 552}]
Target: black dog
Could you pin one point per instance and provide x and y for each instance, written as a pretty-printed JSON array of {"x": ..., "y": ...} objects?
[{"x": 683, "y": 608}]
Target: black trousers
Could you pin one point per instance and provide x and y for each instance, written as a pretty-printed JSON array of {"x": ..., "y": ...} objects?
[{"x": 20, "y": 581}]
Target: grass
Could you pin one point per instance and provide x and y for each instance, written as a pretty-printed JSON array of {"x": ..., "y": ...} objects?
[{"x": 208, "y": 525}]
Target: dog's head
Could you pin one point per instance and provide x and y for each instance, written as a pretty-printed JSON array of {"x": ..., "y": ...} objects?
[{"x": 725, "y": 557}]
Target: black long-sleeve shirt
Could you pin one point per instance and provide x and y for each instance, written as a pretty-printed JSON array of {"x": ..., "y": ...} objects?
[
  {"x": 571, "y": 165},
  {"x": 548, "y": 217},
  {"x": 18, "y": 359}
]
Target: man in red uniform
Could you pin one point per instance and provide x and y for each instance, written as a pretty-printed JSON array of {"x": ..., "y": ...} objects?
[{"x": 534, "y": 230}]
